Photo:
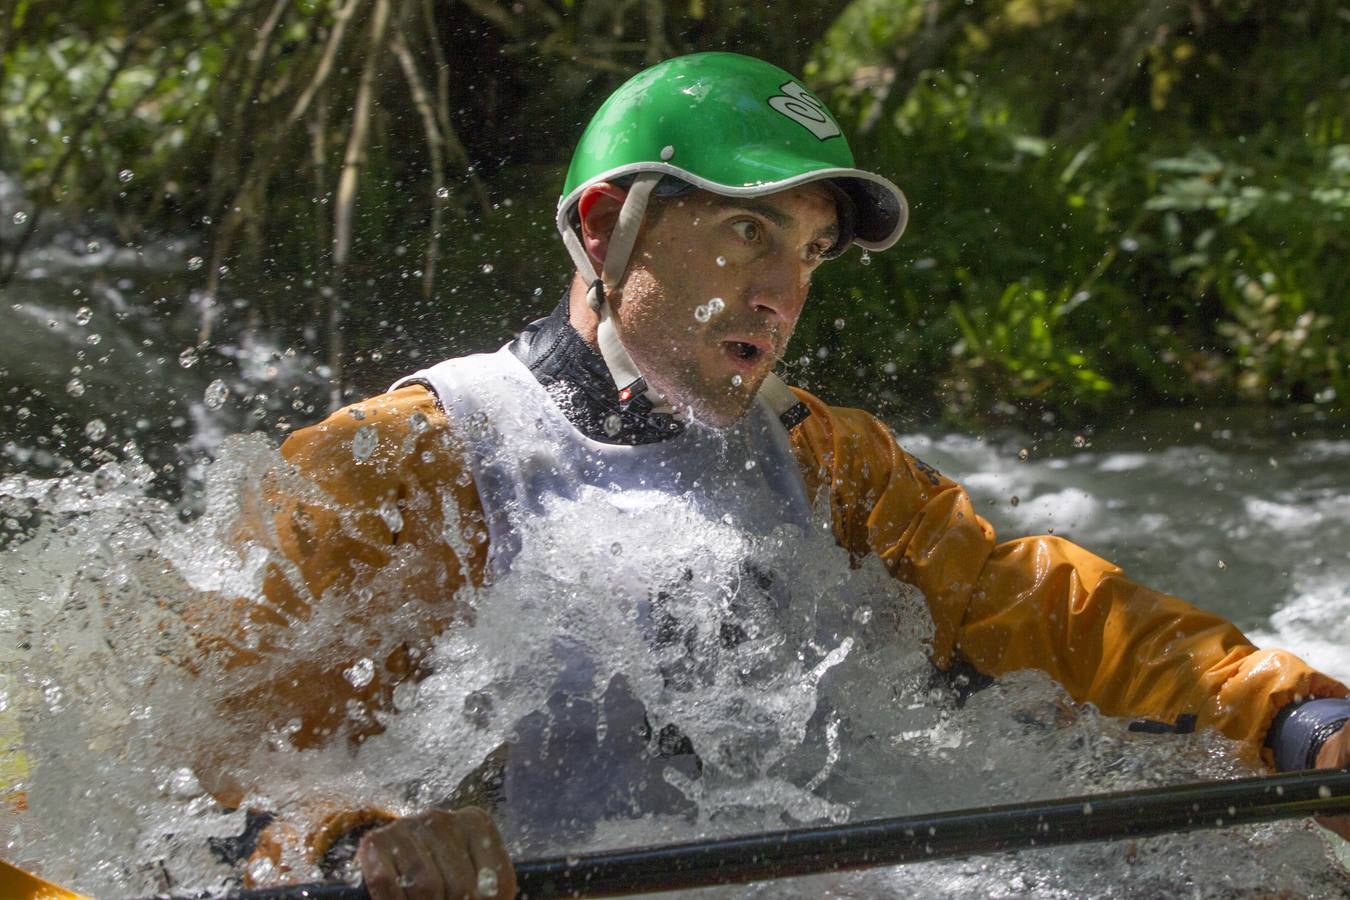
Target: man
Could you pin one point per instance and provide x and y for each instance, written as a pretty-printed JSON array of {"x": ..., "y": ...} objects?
[{"x": 700, "y": 201}]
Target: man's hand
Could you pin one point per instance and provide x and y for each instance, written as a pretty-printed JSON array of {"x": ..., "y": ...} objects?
[
  {"x": 1335, "y": 754},
  {"x": 436, "y": 855}
]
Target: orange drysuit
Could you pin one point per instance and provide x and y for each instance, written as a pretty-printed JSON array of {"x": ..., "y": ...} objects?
[{"x": 1038, "y": 602}]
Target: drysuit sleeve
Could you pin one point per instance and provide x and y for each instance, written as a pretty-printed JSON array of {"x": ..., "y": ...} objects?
[
  {"x": 1041, "y": 602},
  {"x": 360, "y": 540}
]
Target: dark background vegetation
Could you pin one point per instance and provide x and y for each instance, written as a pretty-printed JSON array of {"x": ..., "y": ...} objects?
[{"x": 1116, "y": 205}]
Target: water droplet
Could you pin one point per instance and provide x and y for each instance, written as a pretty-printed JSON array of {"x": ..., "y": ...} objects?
[
  {"x": 51, "y": 694},
  {"x": 125, "y": 176},
  {"x": 839, "y": 324},
  {"x": 195, "y": 263},
  {"x": 188, "y": 358},
  {"x": 95, "y": 429},
  {"x": 613, "y": 424},
  {"x": 442, "y": 193},
  {"x": 866, "y": 258},
  {"x": 616, "y": 549},
  {"x": 183, "y": 784},
  {"x": 716, "y": 305},
  {"x": 217, "y": 392},
  {"x": 405, "y": 695},
  {"x": 364, "y": 441},
  {"x": 702, "y": 313},
  {"x": 75, "y": 387},
  {"x": 93, "y": 247},
  {"x": 357, "y": 413},
  {"x": 360, "y": 672},
  {"x": 1222, "y": 564},
  {"x": 667, "y": 152},
  {"x": 1014, "y": 499},
  {"x": 1087, "y": 809},
  {"x": 418, "y": 423},
  {"x": 721, "y": 260},
  {"x": 1079, "y": 441},
  {"x": 1023, "y": 455},
  {"x": 749, "y": 464},
  {"x": 20, "y": 217},
  {"x": 862, "y": 615},
  {"x": 261, "y": 869},
  {"x": 736, "y": 380},
  {"x": 487, "y": 268},
  {"x": 94, "y": 339},
  {"x": 487, "y": 882},
  {"x": 1324, "y": 792},
  {"x": 389, "y": 512},
  {"x": 83, "y": 315}
]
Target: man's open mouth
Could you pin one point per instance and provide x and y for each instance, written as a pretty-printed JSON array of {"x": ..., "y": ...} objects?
[
  {"x": 744, "y": 351},
  {"x": 748, "y": 354}
]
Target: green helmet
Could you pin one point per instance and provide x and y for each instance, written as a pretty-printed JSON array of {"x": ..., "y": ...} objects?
[
  {"x": 729, "y": 124},
  {"x": 732, "y": 125}
]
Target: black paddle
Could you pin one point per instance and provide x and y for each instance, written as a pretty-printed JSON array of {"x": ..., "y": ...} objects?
[{"x": 885, "y": 842}]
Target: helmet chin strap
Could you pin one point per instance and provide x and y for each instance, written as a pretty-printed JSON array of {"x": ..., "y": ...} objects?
[{"x": 628, "y": 380}]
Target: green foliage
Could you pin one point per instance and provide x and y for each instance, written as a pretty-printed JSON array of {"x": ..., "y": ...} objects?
[{"x": 1113, "y": 203}]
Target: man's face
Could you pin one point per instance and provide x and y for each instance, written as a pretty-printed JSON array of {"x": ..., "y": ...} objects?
[{"x": 714, "y": 289}]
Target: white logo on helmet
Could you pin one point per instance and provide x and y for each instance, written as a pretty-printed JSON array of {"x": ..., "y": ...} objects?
[{"x": 805, "y": 110}]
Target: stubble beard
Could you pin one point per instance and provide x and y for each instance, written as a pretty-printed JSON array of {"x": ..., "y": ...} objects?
[{"x": 706, "y": 407}]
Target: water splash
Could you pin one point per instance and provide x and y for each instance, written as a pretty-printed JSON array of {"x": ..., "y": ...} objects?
[{"x": 799, "y": 679}]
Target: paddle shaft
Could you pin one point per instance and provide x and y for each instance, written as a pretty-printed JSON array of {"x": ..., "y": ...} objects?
[{"x": 882, "y": 842}]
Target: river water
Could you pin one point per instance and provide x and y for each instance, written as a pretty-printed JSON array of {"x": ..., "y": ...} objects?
[{"x": 131, "y": 453}]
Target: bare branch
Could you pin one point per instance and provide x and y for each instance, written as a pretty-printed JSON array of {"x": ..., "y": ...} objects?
[
  {"x": 260, "y": 170},
  {"x": 436, "y": 152},
  {"x": 497, "y": 15},
  {"x": 325, "y": 68},
  {"x": 353, "y": 162},
  {"x": 658, "y": 48}
]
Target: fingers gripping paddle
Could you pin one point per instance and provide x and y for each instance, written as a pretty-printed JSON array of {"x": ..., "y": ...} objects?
[{"x": 884, "y": 842}]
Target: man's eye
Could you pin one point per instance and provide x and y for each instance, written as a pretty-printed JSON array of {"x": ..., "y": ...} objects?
[{"x": 749, "y": 231}]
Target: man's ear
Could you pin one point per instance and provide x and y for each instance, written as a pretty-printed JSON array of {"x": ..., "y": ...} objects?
[{"x": 598, "y": 208}]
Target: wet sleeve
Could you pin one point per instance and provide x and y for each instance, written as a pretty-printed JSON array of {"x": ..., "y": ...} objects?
[
  {"x": 362, "y": 535},
  {"x": 1041, "y": 602}
]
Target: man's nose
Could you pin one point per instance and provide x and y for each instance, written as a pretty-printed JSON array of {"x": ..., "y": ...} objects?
[{"x": 780, "y": 292}]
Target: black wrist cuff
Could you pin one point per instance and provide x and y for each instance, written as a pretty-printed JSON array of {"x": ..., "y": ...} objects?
[{"x": 1300, "y": 730}]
